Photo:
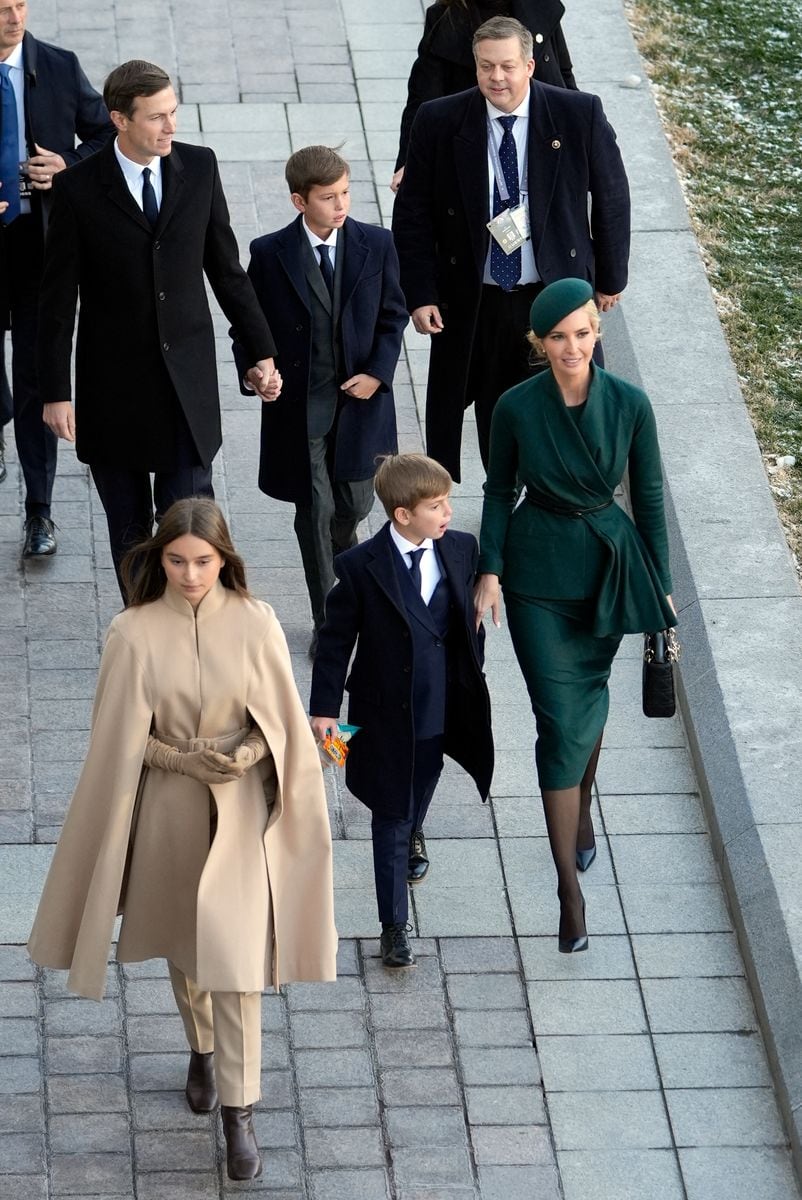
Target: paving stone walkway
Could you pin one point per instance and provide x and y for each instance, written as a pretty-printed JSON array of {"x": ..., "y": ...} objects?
[{"x": 498, "y": 1070}]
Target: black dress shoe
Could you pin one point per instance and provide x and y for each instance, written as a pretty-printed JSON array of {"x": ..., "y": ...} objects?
[
  {"x": 243, "y": 1160},
  {"x": 201, "y": 1090},
  {"x": 40, "y": 537},
  {"x": 418, "y": 859},
  {"x": 394, "y": 947},
  {"x": 3, "y": 468}
]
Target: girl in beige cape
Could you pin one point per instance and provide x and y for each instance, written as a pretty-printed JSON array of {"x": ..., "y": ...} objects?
[{"x": 199, "y": 815}]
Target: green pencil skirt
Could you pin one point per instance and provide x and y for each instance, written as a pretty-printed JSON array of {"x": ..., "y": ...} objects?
[{"x": 566, "y": 670}]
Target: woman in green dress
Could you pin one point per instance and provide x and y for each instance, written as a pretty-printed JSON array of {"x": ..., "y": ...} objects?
[{"x": 576, "y": 571}]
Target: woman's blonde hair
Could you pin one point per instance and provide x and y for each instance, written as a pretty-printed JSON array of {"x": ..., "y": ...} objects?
[
  {"x": 142, "y": 572},
  {"x": 595, "y": 323}
]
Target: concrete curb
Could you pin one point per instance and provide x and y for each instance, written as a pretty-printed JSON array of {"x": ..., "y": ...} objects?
[{"x": 741, "y": 608}]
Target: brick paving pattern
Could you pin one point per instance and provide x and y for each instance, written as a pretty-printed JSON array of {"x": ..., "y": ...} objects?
[{"x": 498, "y": 1070}]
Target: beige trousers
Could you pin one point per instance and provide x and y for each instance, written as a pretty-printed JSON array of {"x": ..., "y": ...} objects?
[{"x": 230, "y": 1024}]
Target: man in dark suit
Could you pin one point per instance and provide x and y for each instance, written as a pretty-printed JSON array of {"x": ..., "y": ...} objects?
[
  {"x": 525, "y": 155},
  {"x": 339, "y": 338},
  {"x": 133, "y": 230},
  {"x": 404, "y": 599},
  {"x": 52, "y": 102}
]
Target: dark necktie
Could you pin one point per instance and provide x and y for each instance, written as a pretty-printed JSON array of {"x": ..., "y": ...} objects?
[
  {"x": 326, "y": 269},
  {"x": 149, "y": 206},
  {"x": 506, "y": 268},
  {"x": 9, "y": 147},
  {"x": 414, "y": 568}
]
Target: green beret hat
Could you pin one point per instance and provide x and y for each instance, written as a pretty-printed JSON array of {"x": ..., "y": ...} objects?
[{"x": 557, "y": 301}]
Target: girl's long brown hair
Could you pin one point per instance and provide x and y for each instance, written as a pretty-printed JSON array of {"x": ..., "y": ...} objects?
[{"x": 141, "y": 569}]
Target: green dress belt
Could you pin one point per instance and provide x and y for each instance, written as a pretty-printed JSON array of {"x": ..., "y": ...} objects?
[{"x": 567, "y": 512}]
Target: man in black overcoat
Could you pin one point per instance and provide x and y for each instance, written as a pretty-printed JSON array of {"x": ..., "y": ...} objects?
[
  {"x": 55, "y": 104},
  {"x": 133, "y": 231},
  {"x": 564, "y": 151}
]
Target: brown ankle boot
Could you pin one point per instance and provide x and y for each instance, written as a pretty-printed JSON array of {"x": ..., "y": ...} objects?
[
  {"x": 201, "y": 1091},
  {"x": 242, "y": 1153}
]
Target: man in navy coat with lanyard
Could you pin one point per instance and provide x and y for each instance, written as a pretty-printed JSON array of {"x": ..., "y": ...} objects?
[
  {"x": 46, "y": 103},
  {"x": 543, "y": 151}
]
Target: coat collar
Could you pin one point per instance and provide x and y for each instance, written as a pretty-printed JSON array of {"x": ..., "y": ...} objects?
[
  {"x": 113, "y": 181},
  {"x": 211, "y": 603},
  {"x": 352, "y": 245},
  {"x": 382, "y": 567}
]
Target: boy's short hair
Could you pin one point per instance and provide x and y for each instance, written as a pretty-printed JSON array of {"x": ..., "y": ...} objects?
[
  {"x": 314, "y": 166},
  {"x": 126, "y": 83},
  {"x": 403, "y": 480}
]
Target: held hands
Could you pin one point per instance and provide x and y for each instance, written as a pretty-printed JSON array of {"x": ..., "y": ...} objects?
[
  {"x": 60, "y": 417},
  {"x": 487, "y": 595},
  {"x": 264, "y": 379},
  {"x": 360, "y": 387},
  {"x": 207, "y": 766},
  {"x": 427, "y": 319},
  {"x": 250, "y": 751},
  {"x": 42, "y": 166}
]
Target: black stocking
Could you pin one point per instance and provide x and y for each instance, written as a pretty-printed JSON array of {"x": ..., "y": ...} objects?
[
  {"x": 585, "y": 837},
  {"x": 561, "y": 806}
]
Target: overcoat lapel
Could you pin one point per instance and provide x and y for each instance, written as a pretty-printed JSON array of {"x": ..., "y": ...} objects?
[
  {"x": 312, "y": 272},
  {"x": 290, "y": 257},
  {"x": 543, "y": 162},
  {"x": 116, "y": 188},
  {"x": 470, "y": 160},
  {"x": 452, "y": 559},
  {"x": 355, "y": 255},
  {"x": 382, "y": 568},
  {"x": 172, "y": 185}
]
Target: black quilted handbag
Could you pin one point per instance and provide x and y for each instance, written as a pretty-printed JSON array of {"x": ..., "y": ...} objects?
[{"x": 660, "y": 652}]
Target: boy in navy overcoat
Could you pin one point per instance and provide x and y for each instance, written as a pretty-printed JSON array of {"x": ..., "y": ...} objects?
[
  {"x": 404, "y": 598},
  {"x": 329, "y": 287}
]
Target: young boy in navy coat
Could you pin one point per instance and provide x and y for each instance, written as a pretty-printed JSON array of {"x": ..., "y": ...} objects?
[
  {"x": 416, "y": 687},
  {"x": 329, "y": 289}
]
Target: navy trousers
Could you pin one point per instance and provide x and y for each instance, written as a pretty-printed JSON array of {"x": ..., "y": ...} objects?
[
  {"x": 391, "y": 837},
  {"x": 36, "y": 444}
]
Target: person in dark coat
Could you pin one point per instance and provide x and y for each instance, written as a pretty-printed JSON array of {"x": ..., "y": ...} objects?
[
  {"x": 576, "y": 570},
  {"x": 473, "y": 299},
  {"x": 338, "y": 352},
  {"x": 416, "y": 687},
  {"x": 133, "y": 230},
  {"x": 55, "y": 105},
  {"x": 445, "y": 62}
]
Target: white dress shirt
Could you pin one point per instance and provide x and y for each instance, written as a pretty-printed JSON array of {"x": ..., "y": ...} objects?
[
  {"x": 315, "y": 241},
  {"x": 16, "y": 75},
  {"x": 520, "y": 131},
  {"x": 132, "y": 173},
  {"x": 430, "y": 572}
]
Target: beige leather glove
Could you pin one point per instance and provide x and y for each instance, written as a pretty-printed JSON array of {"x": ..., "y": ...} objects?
[
  {"x": 251, "y": 751},
  {"x": 207, "y": 766}
]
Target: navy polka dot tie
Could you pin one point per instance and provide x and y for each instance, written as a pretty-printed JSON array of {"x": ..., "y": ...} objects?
[{"x": 506, "y": 268}]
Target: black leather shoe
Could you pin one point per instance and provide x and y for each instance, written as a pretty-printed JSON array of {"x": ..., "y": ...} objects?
[
  {"x": 243, "y": 1160},
  {"x": 418, "y": 860},
  {"x": 201, "y": 1091},
  {"x": 394, "y": 947},
  {"x": 40, "y": 537},
  {"x": 3, "y": 468}
]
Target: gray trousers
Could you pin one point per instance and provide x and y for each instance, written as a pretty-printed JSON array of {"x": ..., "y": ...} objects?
[{"x": 328, "y": 525}]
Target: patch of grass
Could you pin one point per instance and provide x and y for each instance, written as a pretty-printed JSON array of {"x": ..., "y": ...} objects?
[{"x": 727, "y": 77}]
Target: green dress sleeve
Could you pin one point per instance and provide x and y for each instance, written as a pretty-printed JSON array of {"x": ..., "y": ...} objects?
[{"x": 646, "y": 492}]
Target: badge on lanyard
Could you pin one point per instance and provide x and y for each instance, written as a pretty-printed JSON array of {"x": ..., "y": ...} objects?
[{"x": 511, "y": 228}]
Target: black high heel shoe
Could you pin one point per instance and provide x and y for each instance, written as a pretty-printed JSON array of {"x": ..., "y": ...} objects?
[
  {"x": 585, "y": 857},
  {"x": 574, "y": 945}
]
